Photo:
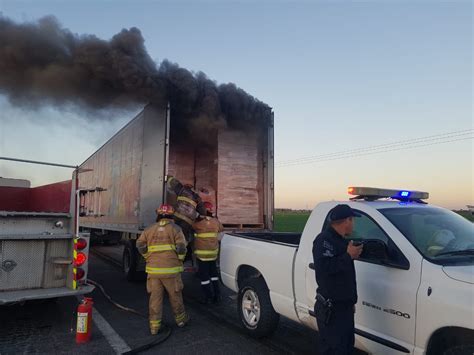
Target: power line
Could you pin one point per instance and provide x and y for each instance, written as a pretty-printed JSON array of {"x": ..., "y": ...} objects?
[
  {"x": 403, "y": 142},
  {"x": 353, "y": 155},
  {"x": 439, "y": 138}
]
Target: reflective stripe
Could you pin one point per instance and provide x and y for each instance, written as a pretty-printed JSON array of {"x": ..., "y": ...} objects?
[
  {"x": 164, "y": 223},
  {"x": 74, "y": 253},
  {"x": 205, "y": 282},
  {"x": 161, "y": 247},
  {"x": 206, "y": 235},
  {"x": 207, "y": 259},
  {"x": 74, "y": 282},
  {"x": 155, "y": 322},
  {"x": 188, "y": 200},
  {"x": 207, "y": 252},
  {"x": 180, "y": 317},
  {"x": 214, "y": 279},
  {"x": 184, "y": 218},
  {"x": 181, "y": 257},
  {"x": 164, "y": 270}
]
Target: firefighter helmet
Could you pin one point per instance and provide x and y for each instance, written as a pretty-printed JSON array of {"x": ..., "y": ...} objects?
[
  {"x": 165, "y": 210},
  {"x": 209, "y": 207}
]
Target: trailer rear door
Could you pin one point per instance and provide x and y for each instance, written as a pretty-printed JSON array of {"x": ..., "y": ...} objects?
[{"x": 154, "y": 163}]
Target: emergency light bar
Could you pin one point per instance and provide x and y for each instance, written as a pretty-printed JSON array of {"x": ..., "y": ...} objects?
[{"x": 375, "y": 193}]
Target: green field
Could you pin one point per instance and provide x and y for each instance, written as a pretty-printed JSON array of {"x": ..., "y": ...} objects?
[
  {"x": 466, "y": 214},
  {"x": 290, "y": 221},
  {"x": 294, "y": 221}
]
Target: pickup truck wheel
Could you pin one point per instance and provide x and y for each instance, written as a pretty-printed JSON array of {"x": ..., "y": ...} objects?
[
  {"x": 255, "y": 309},
  {"x": 460, "y": 350}
]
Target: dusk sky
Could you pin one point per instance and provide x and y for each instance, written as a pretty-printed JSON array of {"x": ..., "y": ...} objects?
[{"x": 339, "y": 75}]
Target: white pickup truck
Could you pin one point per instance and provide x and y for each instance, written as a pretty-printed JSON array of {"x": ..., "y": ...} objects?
[{"x": 415, "y": 278}]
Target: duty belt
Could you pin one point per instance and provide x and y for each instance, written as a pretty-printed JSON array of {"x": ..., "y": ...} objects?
[{"x": 321, "y": 298}]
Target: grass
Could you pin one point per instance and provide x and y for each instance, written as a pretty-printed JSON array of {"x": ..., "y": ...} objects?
[
  {"x": 466, "y": 214},
  {"x": 290, "y": 221},
  {"x": 294, "y": 221}
]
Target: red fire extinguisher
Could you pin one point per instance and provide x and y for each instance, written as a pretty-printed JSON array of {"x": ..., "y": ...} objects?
[{"x": 84, "y": 320}]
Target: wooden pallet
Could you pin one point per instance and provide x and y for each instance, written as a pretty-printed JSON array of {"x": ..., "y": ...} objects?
[{"x": 239, "y": 189}]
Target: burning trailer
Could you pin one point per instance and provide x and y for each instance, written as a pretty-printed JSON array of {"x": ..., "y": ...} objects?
[{"x": 124, "y": 181}]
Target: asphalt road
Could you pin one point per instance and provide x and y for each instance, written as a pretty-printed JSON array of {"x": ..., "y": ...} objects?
[
  {"x": 213, "y": 329},
  {"x": 48, "y": 327}
]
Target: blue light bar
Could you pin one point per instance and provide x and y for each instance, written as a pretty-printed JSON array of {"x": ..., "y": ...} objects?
[{"x": 375, "y": 192}]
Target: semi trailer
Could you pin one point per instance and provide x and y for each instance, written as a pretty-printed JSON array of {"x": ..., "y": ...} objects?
[{"x": 124, "y": 181}]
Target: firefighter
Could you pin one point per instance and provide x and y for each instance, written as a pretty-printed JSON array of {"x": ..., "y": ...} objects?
[
  {"x": 206, "y": 250},
  {"x": 188, "y": 206},
  {"x": 164, "y": 247}
]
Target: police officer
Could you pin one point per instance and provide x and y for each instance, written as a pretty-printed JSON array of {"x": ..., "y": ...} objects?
[
  {"x": 335, "y": 275},
  {"x": 164, "y": 247}
]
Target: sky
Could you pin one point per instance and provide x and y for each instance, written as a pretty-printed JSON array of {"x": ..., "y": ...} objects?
[{"x": 340, "y": 76}]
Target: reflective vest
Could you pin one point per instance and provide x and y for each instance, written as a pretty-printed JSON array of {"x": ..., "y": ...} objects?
[
  {"x": 164, "y": 240},
  {"x": 206, "y": 242}
]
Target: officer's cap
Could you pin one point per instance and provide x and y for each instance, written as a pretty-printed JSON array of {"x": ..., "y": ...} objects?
[{"x": 341, "y": 212}]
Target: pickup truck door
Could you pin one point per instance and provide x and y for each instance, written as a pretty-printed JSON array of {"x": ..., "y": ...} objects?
[{"x": 386, "y": 310}]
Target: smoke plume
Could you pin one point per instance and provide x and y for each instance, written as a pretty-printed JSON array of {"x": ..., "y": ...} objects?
[{"x": 42, "y": 63}]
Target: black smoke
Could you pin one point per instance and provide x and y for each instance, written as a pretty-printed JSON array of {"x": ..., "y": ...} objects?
[{"x": 42, "y": 63}]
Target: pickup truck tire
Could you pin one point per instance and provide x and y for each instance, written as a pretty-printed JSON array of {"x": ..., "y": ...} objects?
[
  {"x": 460, "y": 350},
  {"x": 255, "y": 308},
  {"x": 130, "y": 262}
]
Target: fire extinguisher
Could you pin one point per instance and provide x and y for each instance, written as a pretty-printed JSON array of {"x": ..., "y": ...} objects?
[{"x": 84, "y": 320}]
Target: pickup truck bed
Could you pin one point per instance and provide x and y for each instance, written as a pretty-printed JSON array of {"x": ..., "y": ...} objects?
[
  {"x": 251, "y": 254},
  {"x": 292, "y": 239}
]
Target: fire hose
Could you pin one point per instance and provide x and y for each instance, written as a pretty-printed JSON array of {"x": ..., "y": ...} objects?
[{"x": 163, "y": 335}]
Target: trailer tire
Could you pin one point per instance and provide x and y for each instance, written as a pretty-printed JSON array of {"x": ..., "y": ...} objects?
[
  {"x": 130, "y": 262},
  {"x": 255, "y": 308},
  {"x": 460, "y": 350}
]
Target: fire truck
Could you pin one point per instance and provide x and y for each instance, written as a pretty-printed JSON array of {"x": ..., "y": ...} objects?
[{"x": 42, "y": 254}]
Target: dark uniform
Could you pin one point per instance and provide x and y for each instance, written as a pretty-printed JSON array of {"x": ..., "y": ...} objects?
[{"x": 335, "y": 275}]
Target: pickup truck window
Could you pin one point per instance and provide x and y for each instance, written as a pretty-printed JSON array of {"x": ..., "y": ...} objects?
[
  {"x": 365, "y": 228},
  {"x": 439, "y": 235}
]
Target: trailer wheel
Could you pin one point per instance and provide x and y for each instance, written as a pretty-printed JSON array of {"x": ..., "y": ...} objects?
[
  {"x": 255, "y": 308},
  {"x": 130, "y": 262}
]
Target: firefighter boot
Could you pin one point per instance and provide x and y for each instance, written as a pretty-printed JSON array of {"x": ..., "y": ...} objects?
[
  {"x": 217, "y": 291},
  {"x": 155, "y": 326},
  {"x": 207, "y": 291},
  {"x": 182, "y": 320}
]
